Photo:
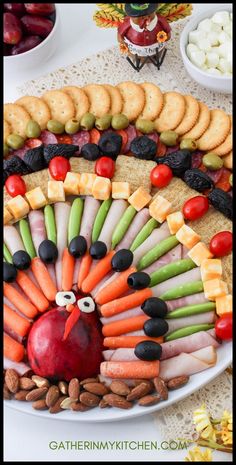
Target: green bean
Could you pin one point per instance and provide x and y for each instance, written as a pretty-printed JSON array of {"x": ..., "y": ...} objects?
[
  {"x": 171, "y": 270},
  {"x": 144, "y": 233},
  {"x": 123, "y": 225},
  {"x": 27, "y": 238},
  {"x": 75, "y": 218},
  {"x": 188, "y": 330},
  {"x": 50, "y": 223},
  {"x": 7, "y": 254},
  {"x": 183, "y": 290},
  {"x": 191, "y": 310},
  {"x": 160, "y": 249},
  {"x": 100, "y": 218}
]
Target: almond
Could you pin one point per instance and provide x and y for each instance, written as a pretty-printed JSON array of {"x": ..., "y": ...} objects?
[
  {"x": 161, "y": 387},
  {"x": 52, "y": 395},
  {"x": 175, "y": 383},
  {"x": 12, "y": 380},
  {"x": 66, "y": 403},
  {"x": 56, "y": 408},
  {"x": 36, "y": 394},
  {"x": 139, "y": 391},
  {"x": 89, "y": 399},
  {"x": 149, "y": 400},
  {"x": 40, "y": 382},
  {"x": 119, "y": 387},
  {"x": 74, "y": 388},
  {"x": 78, "y": 407},
  {"x": 63, "y": 386},
  {"x": 40, "y": 404},
  {"x": 6, "y": 392},
  {"x": 21, "y": 395},
  {"x": 27, "y": 384},
  {"x": 140, "y": 381},
  {"x": 103, "y": 404},
  {"x": 96, "y": 388},
  {"x": 88, "y": 380},
  {"x": 117, "y": 401}
]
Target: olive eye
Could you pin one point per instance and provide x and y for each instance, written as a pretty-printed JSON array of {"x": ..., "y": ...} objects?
[
  {"x": 86, "y": 305},
  {"x": 64, "y": 298}
]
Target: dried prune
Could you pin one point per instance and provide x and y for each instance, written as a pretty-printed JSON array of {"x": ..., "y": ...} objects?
[
  {"x": 178, "y": 161},
  {"x": 143, "y": 148},
  {"x": 63, "y": 150},
  {"x": 198, "y": 180},
  {"x": 15, "y": 165},
  {"x": 33, "y": 158},
  {"x": 110, "y": 144},
  {"x": 222, "y": 202}
]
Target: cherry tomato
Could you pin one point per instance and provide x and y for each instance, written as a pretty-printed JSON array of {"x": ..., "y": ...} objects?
[
  {"x": 221, "y": 244},
  {"x": 58, "y": 168},
  {"x": 195, "y": 207},
  {"x": 32, "y": 143},
  {"x": 161, "y": 176},
  {"x": 15, "y": 185},
  {"x": 224, "y": 326},
  {"x": 105, "y": 167}
]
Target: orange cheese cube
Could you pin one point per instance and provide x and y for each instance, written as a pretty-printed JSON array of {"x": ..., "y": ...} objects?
[
  {"x": 211, "y": 269},
  {"x": 187, "y": 236},
  {"x": 101, "y": 189},
  {"x": 160, "y": 208},
  {"x": 120, "y": 190},
  {"x": 71, "y": 183},
  {"x": 56, "y": 191},
  {"x": 199, "y": 252},
  {"x": 224, "y": 304},
  {"x": 86, "y": 183},
  {"x": 36, "y": 198},
  {"x": 18, "y": 207},
  {"x": 175, "y": 221},
  {"x": 139, "y": 198},
  {"x": 7, "y": 216},
  {"x": 215, "y": 288}
]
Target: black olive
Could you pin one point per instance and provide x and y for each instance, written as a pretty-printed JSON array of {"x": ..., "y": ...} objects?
[
  {"x": 144, "y": 148},
  {"x": 78, "y": 246},
  {"x": 21, "y": 259},
  {"x": 222, "y": 202},
  {"x": 198, "y": 180},
  {"x": 110, "y": 144},
  {"x": 148, "y": 350},
  {"x": 90, "y": 152},
  {"x": 48, "y": 251},
  {"x": 179, "y": 161},
  {"x": 98, "y": 250},
  {"x": 154, "y": 307},
  {"x": 138, "y": 280},
  {"x": 122, "y": 260},
  {"x": 155, "y": 327},
  {"x": 9, "y": 272}
]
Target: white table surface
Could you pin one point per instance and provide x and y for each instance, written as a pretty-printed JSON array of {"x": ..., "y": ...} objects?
[{"x": 26, "y": 437}]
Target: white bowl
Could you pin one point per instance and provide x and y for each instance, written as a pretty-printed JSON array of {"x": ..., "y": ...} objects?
[
  {"x": 38, "y": 54},
  {"x": 222, "y": 84}
]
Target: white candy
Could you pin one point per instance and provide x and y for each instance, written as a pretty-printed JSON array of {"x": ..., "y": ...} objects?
[
  {"x": 196, "y": 37},
  {"x": 213, "y": 38},
  {"x": 228, "y": 29},
  {"x": 224, "y": 37},
  {"x": 198, "y": 58},
  {"x": 212, "y": 59},
  {"x": 216, "y": 28},
  {"x": 214, "y": 71},
  {"x": 221, "y": 17},
  {"x": 224, "y": 66},
  {"x": 191, "y": 48},
  {"x": 205, "y": 45},
  {"x": 224, "y": 49},
  {"x": 205, "y": 25}
]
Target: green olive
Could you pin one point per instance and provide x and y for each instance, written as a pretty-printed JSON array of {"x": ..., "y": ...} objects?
[
  {"x": 188, "y": 144},
  {"x": 87, "y": 121},
  {"x": 119, "y": 121},
  {"x": 231, "y": 180},
  {"x": 169, "y": 138},
  {"x": 212, "y": 161},
  {"x": 15, "y": 141},
  {"x": 72, "y": 126},
  {"x": 33, "y": 129},
  {"x": 55, "y": 126},
  {"x": 145, "y": 126},
  {"x": 5, "y": 149},
  {"x": 103, "y": 123}
]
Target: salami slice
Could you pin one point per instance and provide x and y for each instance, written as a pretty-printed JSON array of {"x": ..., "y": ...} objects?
[
  {"x": 20, "y": 152},
  {"x": 215, "y": 175},
  {"x": 80, "y": 138},
  {"x": 132, "y": 133},
  {"x": 172, "y": 149},
  {"x": 48, "y": 137},
  {"x": 153, "y": 136},
  {"x": 196, "y": 159}
]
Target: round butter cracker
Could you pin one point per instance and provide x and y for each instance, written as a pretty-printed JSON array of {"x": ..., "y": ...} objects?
[
  {"x": 60, "y": 104},
  {"x": 80, "y": 100},
  {"x": 153, "y": 101},
  {"x": 172, "y": 112},
  {"x": 133, "y": 99},
  {"x": 6, "y": 130},
  {"x": 99, "y": 99},
  {"x": 37, "y": 108},
  {"x": 201, "y": 124},
  {"x": 228, "y": 161},
  {"x": 227, "y": 145},
  {"x": 17, "y": 117},
  {"x": 116, "y": 99},
  {"x": 190, "y": 115},
  {"x": 217, "y": 131}
]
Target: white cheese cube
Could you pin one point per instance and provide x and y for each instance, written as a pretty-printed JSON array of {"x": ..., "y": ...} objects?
[
  {"x": 18, "y": 207},
  {"x": 221, "y": 18},
  {"x": 175, "y": 221},
  {"x": 36, "y": 198},
  {"x": 215, "y": 288},
  {"x": 160, "y": 208},
  {"x": 198, "y": 58},
  {"x": 212, "y": 59},
  {"x": 71, "y": 183},
  {"x": 56, "y": 191},
  {"x": 187, "y": 236},
  {"x": 224, "y": 304},
  {"x": 211, "y": 269},
  {"x": 199, "y": 253}
]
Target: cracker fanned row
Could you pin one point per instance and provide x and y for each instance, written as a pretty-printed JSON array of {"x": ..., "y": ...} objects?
[{"x": 190, "y": 118}]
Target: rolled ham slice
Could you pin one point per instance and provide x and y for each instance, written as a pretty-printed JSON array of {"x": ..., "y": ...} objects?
[
  {"x": 104, "y": 281},
  {"x": 114, "y": 215},
  {"x": 184, "y": 252},
  {"x": 201, "y": 318},
  {"x": 171, "y": 256},
  {"x": 62, "y": 213},
  {"x": 91, "y": 206},
  {"x": 20, "y": 367},
  {"x": 187, "y": 277},
  {"x": 76, "y": 273},
  {"x": 12, "y": 239},
  {"x": 37, "y": 227},
  {"x": 156, "y": 236},
  {"x": 194, "y": 299},
  {"x": 137, "y": 224},
  {"x": 188, "y": 364}
]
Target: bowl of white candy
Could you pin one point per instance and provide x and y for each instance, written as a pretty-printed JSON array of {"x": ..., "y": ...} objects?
[{"x": 206, "y": 48}]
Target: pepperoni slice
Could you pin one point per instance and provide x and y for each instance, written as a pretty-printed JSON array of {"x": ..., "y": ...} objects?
[
  {"x": 80, "y": 138},
  {"x": 132, "y": 133},
  {"x": 48, "y": 137},
  {"x": 32, "y": 143},
  {"x": 172, "y": 149},
  {"x": 215, "y": 175},
  {"x": 196, "y": 159}
]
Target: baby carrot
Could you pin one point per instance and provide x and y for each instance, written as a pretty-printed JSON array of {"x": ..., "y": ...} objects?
[
  {"x": 124, "y": 326},
  {"x": 43, "y": 278},
  {"x": 125, "y": 303},
  {"x": 15, "y": 322},
  {"x": 139, "y": 369},
  {"x": 116, "y": 288},
  {"x": 85, "y": 265},
  {"x": 33, "y": 292},
  {"x": 13, "y": 349},
  {"x": 128, "y": 341},
  {"x": 68, "y": 264},
  {"x": 22, "y": 304},
  {"x": 98, "y": 272}
]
